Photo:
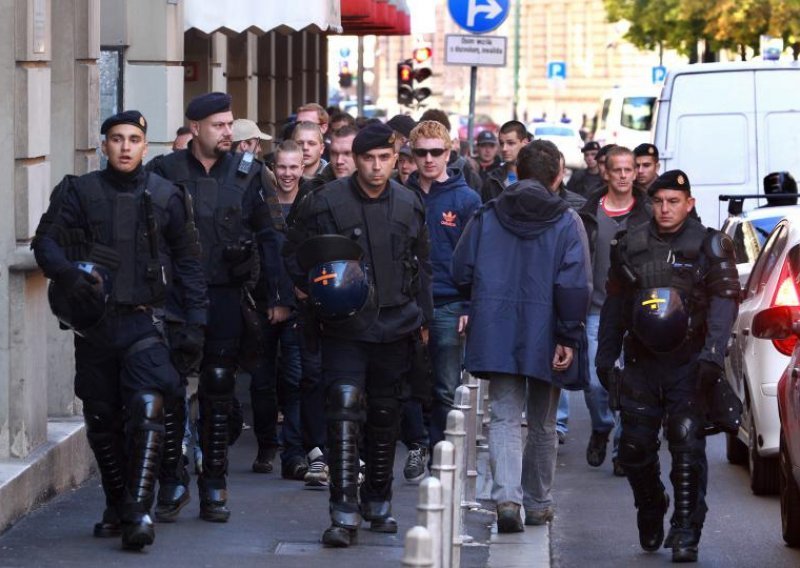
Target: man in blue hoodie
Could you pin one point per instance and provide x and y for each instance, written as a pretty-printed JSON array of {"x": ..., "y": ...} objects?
[
  {"x": 449, "y": 205},
  {"x": 524, "y": 263}
]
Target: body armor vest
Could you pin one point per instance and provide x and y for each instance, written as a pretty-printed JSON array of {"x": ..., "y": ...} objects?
[
  {"x": 217, "y": 210},
  {"x": 393, "y": 267},
  {"x": 674, "y": 264},
  {"x": 122, "y": 225}
]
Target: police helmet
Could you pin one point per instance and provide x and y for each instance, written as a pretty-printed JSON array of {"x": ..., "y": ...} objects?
[
  {"x": 781, "y": 183},
  {"x": 338, "y": 278},
  {"x": 660, "y": 319},
  {"x": 85, "y": 317}
]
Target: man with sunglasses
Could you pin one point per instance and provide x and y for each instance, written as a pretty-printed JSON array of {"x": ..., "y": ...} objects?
[{"x": 449, "y": 205}]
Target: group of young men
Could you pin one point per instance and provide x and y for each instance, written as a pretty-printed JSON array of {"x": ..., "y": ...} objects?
[{"x": 343, "y": 256}]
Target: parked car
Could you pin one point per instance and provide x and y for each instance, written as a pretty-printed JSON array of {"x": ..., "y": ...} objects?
[
  {"x": 782, "y": 323},
  {"x": 753, "y": 366},
  {"x": 749, "y": 231},
  {"x": 565, "y": 136}
]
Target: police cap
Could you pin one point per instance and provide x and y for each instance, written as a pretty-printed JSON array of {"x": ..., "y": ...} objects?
[
  {"x": 133, "y": 117},
  {"x": 402, "y": 123},
  {"x": 590, "y": 146},
  {"x": 205, "y": 105},
  {"x": 327, "y": 248},
  {"x": 373, "y": 136},
  {"x": 673, "y": 179},
  {"x": 645, "y": 150},
  {"x": 601, "y": 153}
]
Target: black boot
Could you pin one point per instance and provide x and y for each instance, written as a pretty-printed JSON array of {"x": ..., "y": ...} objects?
[
  {"x": 651, "y": 503},
  {"x": 684, "y": 533},
  {"x": 343, "y": 432},
  {"x": 146, "y": 438},
  {"x": 264, "y": 458},
  {"x": 376, "y": 492},
  {"x": 105, "y": 435},
  {"x": 216, "y": 405},
  {"x": 173, "y": 479}
]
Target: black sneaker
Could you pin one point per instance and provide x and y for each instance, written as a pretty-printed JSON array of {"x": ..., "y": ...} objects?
[
  {"x": 263, "y": 461},
  {"x": 596, "y": 450},
  {"x": 416, "y": 463},
  {"x": 295, "y": 468}
]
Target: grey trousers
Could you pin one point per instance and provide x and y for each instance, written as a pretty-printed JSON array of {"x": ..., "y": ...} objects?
[{"x": 522, "y": 477}]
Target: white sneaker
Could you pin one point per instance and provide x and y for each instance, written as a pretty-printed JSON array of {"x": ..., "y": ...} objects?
[{"x": 317, "y": 475}]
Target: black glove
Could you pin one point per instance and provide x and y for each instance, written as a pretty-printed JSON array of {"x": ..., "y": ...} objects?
[
  {"x": 707, "y": 375},
  {"x": 604, "y": 375},
  {"x": 243, "y": 261},
  {"x": 186, "y": 346},
  {"x": 79, "y": 287}
]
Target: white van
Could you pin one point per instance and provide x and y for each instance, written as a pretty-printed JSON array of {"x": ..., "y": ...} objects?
[
  {"x": 727, "y": 125},
  {"x": 626, "y": 116}
]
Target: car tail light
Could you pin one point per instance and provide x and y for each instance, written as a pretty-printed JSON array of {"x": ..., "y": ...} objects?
[{"x": 786, "y": 295}]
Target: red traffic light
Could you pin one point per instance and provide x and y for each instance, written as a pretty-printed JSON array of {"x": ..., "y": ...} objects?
[
  {"x": 404, "y": 73},
  {"x": 422, "y": 54}
]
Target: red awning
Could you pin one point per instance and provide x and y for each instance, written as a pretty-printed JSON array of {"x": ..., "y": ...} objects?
[{"x": 375, "y": 17}]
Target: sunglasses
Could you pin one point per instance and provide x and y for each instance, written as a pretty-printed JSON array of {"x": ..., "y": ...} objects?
[{"x": 422, "y": 152}]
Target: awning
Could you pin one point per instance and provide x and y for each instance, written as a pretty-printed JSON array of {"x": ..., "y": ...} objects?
[
  {"x": 376, "y": 17},
  {"x": 210, "y": 16}
]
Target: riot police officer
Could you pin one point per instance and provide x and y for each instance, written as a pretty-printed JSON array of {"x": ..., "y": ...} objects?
[
  {"x": 237, "y": 234},
  {"x": 673, "y": 287},
  {"x": 366, "y": 337},
  {"x": 112, "y": 241}
]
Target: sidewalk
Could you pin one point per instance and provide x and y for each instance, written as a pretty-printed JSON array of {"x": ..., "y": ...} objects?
[{"x": 275, "y": 523}]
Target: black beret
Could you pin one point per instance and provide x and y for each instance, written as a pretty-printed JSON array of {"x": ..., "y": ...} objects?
[
  {"x": 645, "y": 150},
  {"x": 402, "y": 123},
  {"x": 373, "y": 136},
  {"x": 604, "y": 150},
  {"x": 590, "y": 146},
  {"x": 673, "y": 179},
  {"x": 133, "y": 117},
  {"x": 205, "y": 105},
  {"x": 327, "y": 248}
]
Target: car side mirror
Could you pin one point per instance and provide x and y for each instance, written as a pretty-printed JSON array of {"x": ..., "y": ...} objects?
[{"x": 777, "y": 322}]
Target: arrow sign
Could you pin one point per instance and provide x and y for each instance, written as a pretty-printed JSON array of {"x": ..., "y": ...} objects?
[{"x": 479, "y": 16}]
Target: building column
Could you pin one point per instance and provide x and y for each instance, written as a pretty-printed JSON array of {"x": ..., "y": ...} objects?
[
  {"x": 243, "y": 74},
  {"x": 153, "y": 72},
  {"x": 219, "y": 62}
]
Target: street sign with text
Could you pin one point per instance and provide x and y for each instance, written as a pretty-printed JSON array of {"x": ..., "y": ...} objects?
[
  {"x": 478, "y": 16},
  {"x": 478, "y": 51}
]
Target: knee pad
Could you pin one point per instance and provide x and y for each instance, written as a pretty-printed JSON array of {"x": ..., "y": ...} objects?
[
  {"x": 100, "y": 417},
  {"x": 344, "y": 402},
  {"x": 682, "y": 430},
  {"x": 146, "y": 410},
  {"x": 218, "y": 381}
]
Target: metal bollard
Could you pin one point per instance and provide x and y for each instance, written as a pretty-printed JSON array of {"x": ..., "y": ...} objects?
[
  {"x": 456, "y": 433},
  {"x": 483, "y": 399},
  {"x": 444, "y": 469},
  {"x": 430, "y": 513},
  {"x": 418, "y": 550},
  {"x": 471, "y": 482}
]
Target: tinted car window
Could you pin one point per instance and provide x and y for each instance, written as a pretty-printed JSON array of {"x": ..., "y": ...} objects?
[
  {"x": 749, "y": 237},
  {"x": 637, "y": 112},
  {"x": 767, "y": 260}
]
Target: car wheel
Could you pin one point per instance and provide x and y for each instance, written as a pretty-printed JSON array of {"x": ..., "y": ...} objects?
[
  {"x": 763, "y": 471},
  {"x": 735, "y": 450}
]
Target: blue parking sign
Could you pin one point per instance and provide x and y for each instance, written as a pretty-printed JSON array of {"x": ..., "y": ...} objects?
[
  {"x": 659, "y": 73},
  {"x": 557, "y": 70}
]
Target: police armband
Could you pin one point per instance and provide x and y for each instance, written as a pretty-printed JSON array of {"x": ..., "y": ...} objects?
[{"x": 722, "y": 277}]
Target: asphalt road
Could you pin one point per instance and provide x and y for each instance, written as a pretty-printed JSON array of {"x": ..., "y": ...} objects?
[{"x": 595, "y": 523}]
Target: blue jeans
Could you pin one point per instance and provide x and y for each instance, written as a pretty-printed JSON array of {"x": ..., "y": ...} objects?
[
  {"x": 446, "y": 348},
  {"x": 562, "y": 414},
  {"x": 603, "y": 420}
]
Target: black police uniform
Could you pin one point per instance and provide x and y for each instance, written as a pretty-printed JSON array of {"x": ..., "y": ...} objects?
[
  {"x": 135, "y": 225},
  {"x": 367, "y": 355},
  {"x": 237, "y": 235},
  {"x": 674, "y": 298}
]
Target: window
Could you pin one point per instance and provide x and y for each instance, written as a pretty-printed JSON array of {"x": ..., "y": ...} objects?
[
  {"x": 767, "y": 261},
  {"x": 637, "y": 113},
  {"x": 110, "y": 70}
]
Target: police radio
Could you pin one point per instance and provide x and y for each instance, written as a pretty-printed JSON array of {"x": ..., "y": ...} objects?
[{"x": 245, "y": 164}]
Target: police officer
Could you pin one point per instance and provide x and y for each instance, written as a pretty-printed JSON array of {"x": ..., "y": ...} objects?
[
  {"x": 673, "y": 287},
  {"x": 237, "y": 234},
  {"x": 367, "y": 354},
  {"x": 112, "y": 241}
]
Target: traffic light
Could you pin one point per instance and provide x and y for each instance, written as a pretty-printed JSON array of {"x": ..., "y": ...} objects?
[
  {"x": 407, "y": 79},
  {"x": 405, "y": 83}
]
